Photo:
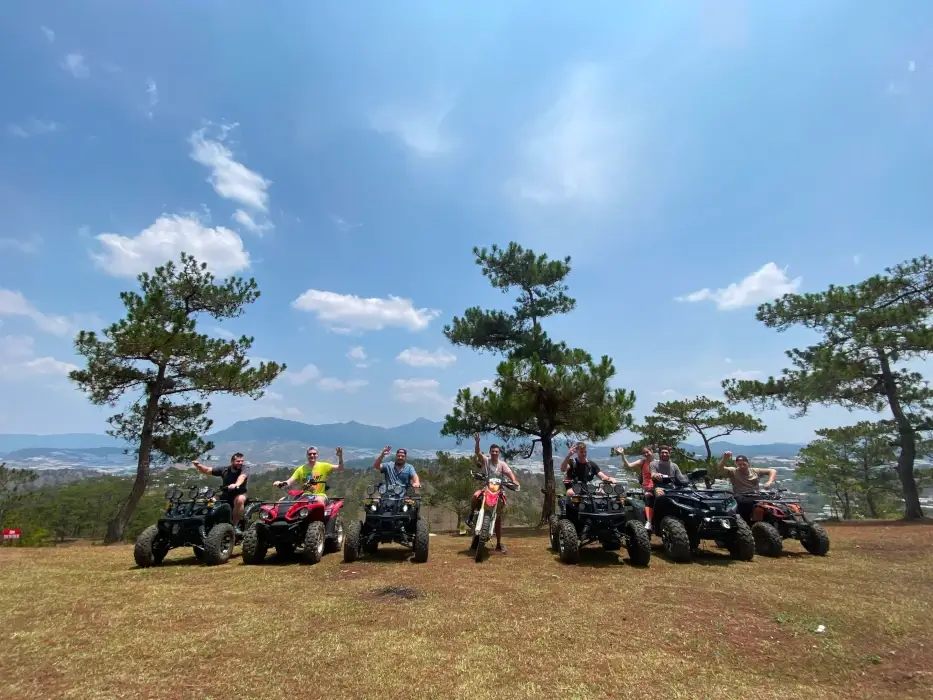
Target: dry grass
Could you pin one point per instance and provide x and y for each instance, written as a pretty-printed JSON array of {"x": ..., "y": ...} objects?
[{"x": 83, "y": 622}]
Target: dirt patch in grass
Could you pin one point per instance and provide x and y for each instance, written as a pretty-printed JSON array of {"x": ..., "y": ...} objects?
[{"x": 83, "y": 622}]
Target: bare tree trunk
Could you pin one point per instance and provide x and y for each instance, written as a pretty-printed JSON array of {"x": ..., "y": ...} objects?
[
  {"x": 908, "y": 444},
  {"x": 550, "y": 487},
  {"x": 116, "y": 526}
]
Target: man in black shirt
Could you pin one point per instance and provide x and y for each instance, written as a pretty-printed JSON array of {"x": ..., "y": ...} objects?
[
  {"x": 576, "y": 467},
  {"x": 234, "y": 479}
]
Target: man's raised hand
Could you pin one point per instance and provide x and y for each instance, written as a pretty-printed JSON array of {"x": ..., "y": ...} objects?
[
  {"x": 339, "y": 452},
  {"x": 387, "y": 449}
]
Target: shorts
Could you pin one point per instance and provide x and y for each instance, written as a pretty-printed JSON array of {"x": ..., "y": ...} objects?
[{"x": 231, "y": 496}]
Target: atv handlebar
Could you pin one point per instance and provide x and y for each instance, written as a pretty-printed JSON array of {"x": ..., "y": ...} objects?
[{"x": 508, "y": 483}]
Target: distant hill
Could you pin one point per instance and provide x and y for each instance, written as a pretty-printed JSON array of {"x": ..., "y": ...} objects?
[{"x": 272, "y": 440}]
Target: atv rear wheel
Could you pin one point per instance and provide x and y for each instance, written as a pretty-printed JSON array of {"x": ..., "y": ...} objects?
[
  {"x": 314, "y": 542},
  {"x": 150, "y": 548},
  {"x": 568, "y": 543},
  {"x": 742, "y": 545},
  {"x": 553, "y": 527},
  {"x": 351, "y": 542},
  {"x": 255, "y": 544},
  {"x": 422, "y": 541},
  {"x": 768, "y": 541},
  {"x": 675, "y": 538},
  {"x": 218, "y": 545},
  {"x": 817, "y": 540},
  {"x": 335, "y": 543},
  {"x": 638, "y": 543}
]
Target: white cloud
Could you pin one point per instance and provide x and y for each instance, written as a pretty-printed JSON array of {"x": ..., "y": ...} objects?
[
  {"x": 230, "y": 179},
  {"x": 74, "y": 63},
  {"x": 222, "y": 333},
  {"x": 28, "y": 245},
  {"x": 33, "y": 127},
  {"x": 342, "y": 223},
  {"x": 18, "y": 360},
  {"x": 349, "y": 312},
  {"x": 766, "y": 284},
  {"x": 477, "y": 387},
  {"x": 244, "y": 219},
  {"x": 856, "y": 259},
  {"x": 728, "y": 360},
  {"x": 419, "y": 126},
  {"x": 739, "y": 374},
  {"x": 416, "y": 357},
  {"x": 152, "y": 91},
  {"x": 358, "y": 356},
  {"x": 575, "y": 153},
  {"x": 49, "y": 34},
  {"x": 417, "y": 390},
  {"x": 124, "y": 256},
  {"x": 348, "y": 385},
  {"x": 15, "y": 304},
  {"x": 666, "y": 393},
  {"x": 302, "y": 376}
]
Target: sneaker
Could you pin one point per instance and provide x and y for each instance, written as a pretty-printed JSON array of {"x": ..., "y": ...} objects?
[
  {"x": 501, "y": 548},
  {"x": 648, "y": 525}
]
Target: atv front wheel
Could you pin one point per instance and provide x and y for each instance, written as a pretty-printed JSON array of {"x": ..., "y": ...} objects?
[
  {"x": 198, "y": 553},
  {"x": 314, "y": 542},
  {"x": 638, "y": 543},
  {"x": 422, "y": 541},
  {"x": 218, "y": 545},
  {"x": 817, "y": 540},
  {"x": 150, "y": 549},
  {"x": 768, "y": 541},
  {"x": 335, "y": 542},
  {"x": 255, "y": 544},
  {"x": 675, "y": 538},
  {"x": 742, "y": 546},
  {"x": 568, "y": 543},
  {"x": 553, "y": 527},
  {"x": 351, "y": 542}
]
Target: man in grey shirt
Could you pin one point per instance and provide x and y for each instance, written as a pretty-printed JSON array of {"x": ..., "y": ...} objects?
[{"x": 665, "y": 467}]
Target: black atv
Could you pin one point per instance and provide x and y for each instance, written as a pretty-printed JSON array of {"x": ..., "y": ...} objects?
[
  {"x": 775, "y": 518},
  {"x": 301, "y": 521},
  {"x": 602, "y": 513},
  {"x": 392, "y": 514},
  {"x": 201, "y": 521},
  {"x": 685, "y": 515}
]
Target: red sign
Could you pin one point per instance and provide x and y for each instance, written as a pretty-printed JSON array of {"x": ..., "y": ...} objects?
[{"x": 11, "y": 534}]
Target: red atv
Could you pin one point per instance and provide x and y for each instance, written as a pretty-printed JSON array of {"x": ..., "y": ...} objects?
[
  {"x": 301, "y": 521},
  {"x": 775, "y": 518}
]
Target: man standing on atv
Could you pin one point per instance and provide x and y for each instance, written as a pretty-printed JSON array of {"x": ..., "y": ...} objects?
[
  {"x": 399, "y": 471},
  {"x": 234, "y": 479},
  {"x": 746, "y": 481},
  {"x": 576, "y": 467},
  {"x": 319, "y": 470},
  {"x": 644, "y": 464},
  {"x": 493, "y": 466}
]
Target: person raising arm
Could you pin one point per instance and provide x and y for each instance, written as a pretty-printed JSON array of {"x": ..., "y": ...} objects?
[
  {"x": 746, "y": 481},
  {"x": 319, "y": 470}
]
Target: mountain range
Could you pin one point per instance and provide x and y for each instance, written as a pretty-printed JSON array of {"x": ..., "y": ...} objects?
[{"x": 278, "y": 440}]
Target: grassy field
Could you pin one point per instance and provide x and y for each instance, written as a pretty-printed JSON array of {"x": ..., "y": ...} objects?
[{"x": 83, "y": 622}]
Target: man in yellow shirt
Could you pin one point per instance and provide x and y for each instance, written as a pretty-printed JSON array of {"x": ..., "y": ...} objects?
[{"x": 319, "y": 470}]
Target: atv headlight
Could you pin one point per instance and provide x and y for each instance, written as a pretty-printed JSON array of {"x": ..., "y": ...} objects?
[
  {"x": 405, "y": 508},
  {"x": 302, "y": 514},
  {"x": 373, "y": 507},
  {"x": 616, "y": 506}
]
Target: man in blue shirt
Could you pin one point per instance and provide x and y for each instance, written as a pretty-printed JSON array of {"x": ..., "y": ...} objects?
[{"x": 399, "y": 471}]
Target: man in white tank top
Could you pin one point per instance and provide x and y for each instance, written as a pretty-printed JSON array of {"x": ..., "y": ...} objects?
[{"x": 493, "y": 466}]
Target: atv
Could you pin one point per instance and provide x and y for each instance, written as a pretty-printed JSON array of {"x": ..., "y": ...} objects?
[
  {"x": 202, "y": 521},
  {"x": 483, "y": 520},
  {"x": 603, "y": 513},
  {"x": 301, "y": 521},
  {"x": 775, "y": 518},
  {"x": 392, "y": 514},
  {"x": 685, "y": 515}
]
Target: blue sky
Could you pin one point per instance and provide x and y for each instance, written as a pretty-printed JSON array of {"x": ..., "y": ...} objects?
[{"x": 693, "y": 160}]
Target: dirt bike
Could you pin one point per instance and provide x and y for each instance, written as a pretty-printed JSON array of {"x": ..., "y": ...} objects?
[{"x": 491, "y": 503}]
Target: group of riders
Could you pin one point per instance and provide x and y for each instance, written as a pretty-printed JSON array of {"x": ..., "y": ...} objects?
[{"x": 745, "y": 479}]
